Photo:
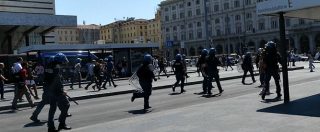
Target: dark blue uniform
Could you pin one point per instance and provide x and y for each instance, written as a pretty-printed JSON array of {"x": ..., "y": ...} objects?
[
  {"x": 247, "y": 67},
  {"x": 57, "y": 98},
  {"x": 180, "y": 72},
  {"x": 212, "y": 71}
]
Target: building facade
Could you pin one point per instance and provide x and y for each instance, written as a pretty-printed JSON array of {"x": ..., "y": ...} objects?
[
  {"x": 232, "y": 27},
  {"x": 130, "y": 31},
  {"x": 154, "y": 29},
  {"x": 29, "y": 6},
  {"x": 89, "y": 34},
  {"x": 67, "y": 35}
]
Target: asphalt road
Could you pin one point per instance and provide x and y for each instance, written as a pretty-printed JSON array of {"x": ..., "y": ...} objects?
[{"x": 106, "y": 109}]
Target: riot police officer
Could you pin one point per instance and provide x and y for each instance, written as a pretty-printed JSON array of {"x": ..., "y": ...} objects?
[
  {"x": 48, "y": 72},
  {"x": 145, "y": 74},
  {"x": 211, "y": 71},
  {"x": 271, "y": 60},
  {"x": 109, "y": 67},
  {"x": 57, "y": 95},
  {"x": 180, "y": 72},
  {"x": 201, "y": 63},
  {"x": 247, "y": 66}
]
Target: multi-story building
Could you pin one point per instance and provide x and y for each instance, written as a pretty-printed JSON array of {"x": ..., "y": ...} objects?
[
  {"x": 67, "y": 35},
  {"x": 82, "y": 34},
  {"x": 154, "y": 29},
  {"x": 125, "y": 31},
  {"x": 89, "y": 34},
  {"x": 232, "y": 27},
  {"x": 28, "y": 22}
]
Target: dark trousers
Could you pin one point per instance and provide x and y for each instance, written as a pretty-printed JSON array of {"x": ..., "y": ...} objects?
[
  {"x": 276, "y": 77},
  {"x": 217, "y": 79},
  {"x": 63, "y": 104},
  {"x": 41, "y": 104},
  {"x": 76, "y": 76},
  {"x": 147, "y": 90},
  {"x": 1, "y": 90},
  {"x": 245, "y": 74},
  {"x": 180, "y": 77},
  {"x": 205, "y": 84},
  {"x": 262, "y": 78},
  {"x": 94, "y": 79},
  {"x": 21, "y": 90},
  {"x": 162, "y": 69},
  {"x": 108, "y": 78}
]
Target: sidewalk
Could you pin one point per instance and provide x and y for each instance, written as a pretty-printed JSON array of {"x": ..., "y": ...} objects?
[{"x": 124, "y": 87}]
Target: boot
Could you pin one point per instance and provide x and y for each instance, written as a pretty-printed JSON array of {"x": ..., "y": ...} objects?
[
  {"x": 52, "y": 129},
  {"x": 63, "y": 126}
]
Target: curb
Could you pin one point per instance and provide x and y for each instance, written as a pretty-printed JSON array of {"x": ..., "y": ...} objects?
[{"x": 23, "y": 105}]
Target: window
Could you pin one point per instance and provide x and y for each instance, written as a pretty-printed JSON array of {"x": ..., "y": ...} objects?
[
  {"x": 181, "y": 15},
  {"x": 250, "y": 27},
  {"x": 182, "y": 27},
  {"x": 301, "y": 21},
  {"x": 173, "y": 8},
  {"x": 190, "y": 25},
  {"x": 274, "y": 24},
  {"x": 166, "y": 18},
  {"x": 174, "y": 16},
  {"x": 237, "y": 17},
  {"x": 183, "y": 36},
  {"x": 261, "y": 26},
  {"x": 167, "y": 29},
  {"x": 217, "y": 21},
  {"x": 166, "y": 9},
  {"x": 226, "y": 6},
  {"x": 189, "y": 3},
  {"x": 248, "y": 15},
  {"x": 198, "y": 2},
  {"x": 190, "y": 35},
  {"x": 248, "y": 2},
  {"x": 288, "y": 22},
  {"x": 236, "y": 4},
  {"x": 198, "y": 24},
  {"x": 199, "y": 34},
  {"x": 181, "y": 5},
  {"x": 238, "y": 29},
  {"x": 198, "y": 12},
  {"x": 218, "y": 32},
  {"x": 174, "y": 28},
  {"x": 226, "y": 19},
  {"x": 216, "y": 8},
  {"x": 190, "y": 13}
]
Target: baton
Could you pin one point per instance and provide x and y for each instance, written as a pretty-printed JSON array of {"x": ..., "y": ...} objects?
[{"x": 72, "y": 100}]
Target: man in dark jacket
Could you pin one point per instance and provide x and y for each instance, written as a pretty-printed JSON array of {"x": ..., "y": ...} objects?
[
  {"x": 247, "y": 66},
  {"x": 211, "y": 71},
  {"x": 180, "y": 72}
]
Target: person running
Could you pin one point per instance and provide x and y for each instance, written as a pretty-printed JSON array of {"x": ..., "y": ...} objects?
[
  {"x": 311, "y": 66},
  {"x": 76, "y": 75},
  {"x": 247, "y": 67},
  {"x": 211, "y": 71},
  {"x": 180, "y": 72},
  {"x": 162, "y": 65},
  {"x": 2, "y": 79},
  {"x": 108, "y": 69},
  {"x": 145, "y": 75},
  {"x": 30, "y": 83},
  {"x": 228, "y": 63}
]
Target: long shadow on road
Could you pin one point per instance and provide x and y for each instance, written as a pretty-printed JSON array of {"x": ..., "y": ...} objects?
[{"x": 308, "y": 106}]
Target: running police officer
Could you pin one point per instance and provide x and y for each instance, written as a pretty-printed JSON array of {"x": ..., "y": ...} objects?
[
  {"x": 201, "y": 63},
  {"x": 211, "y": 71},
  {"x": 247, "y": 66},
  {"x": 57, "y": 95},
  {"x": 48, "y": 73},
  {"x": 145, "y": 74},
  {"x": 180, "y": 72},
  {"x": 271, "y": 60}
]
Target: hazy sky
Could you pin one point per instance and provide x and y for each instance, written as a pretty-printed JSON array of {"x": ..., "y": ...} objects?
[{"x": 105, "y": 11}]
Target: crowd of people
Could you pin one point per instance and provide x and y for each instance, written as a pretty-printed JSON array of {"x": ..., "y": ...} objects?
[{"x": 28, "y": 75}]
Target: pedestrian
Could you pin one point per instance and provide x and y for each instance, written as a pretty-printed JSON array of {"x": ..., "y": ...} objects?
[
  {"x": 162, "y": 65},
  {"x": 39, "y": 70},
  {"x": 145, "y": 75},
  {"x": 179, "y": 69},
  {"x": 198, "y": 65},
  {"x": 260, "y": 66},
  {"x": 57, "y": 95},
  {"x": 184, "y": 62},
  {"x": 22, "y": 88},
  {"x": 91, "y": 74},
  {"x": 108, "y": 70},
  {"x": 311, "y": 66},
  {"x": 211, "y": 71},
  {"x": 247, "y": 67},
  {"x": 202, "y": 64},
  {"x": 2, "y": 79},
  {"x": 30, "y": 83},
  {"x": 271, "y": 60},
  {"x": 76, "y": 75},
  {"x": 228, "y": 63},
  {"x": 15, "y": 69}
]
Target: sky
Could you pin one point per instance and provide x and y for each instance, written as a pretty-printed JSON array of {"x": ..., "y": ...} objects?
[{"x": 106, "y": 11}]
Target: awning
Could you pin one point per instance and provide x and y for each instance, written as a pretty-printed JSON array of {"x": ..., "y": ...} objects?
[
  {"x": 77, "y": 47},
  {"x": 309, "y": 9},
  {"x": 24, "y": 19}
]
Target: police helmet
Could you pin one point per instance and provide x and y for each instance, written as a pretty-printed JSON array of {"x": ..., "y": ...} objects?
[
  {"x": 147, "y": 58},
  {"x": 178, "y": 57},
  {"x": 260, "y": 50},
  {"x": 51, "y": 59},
  {"x": 78, "y": 60},
  {"x": 204, "y": 52},
  {"x": 106, "y": 59},
  {"x": 110, "y": 58},
  {"x": 212, "y": 51},
  {"x": 61, "y": 58},
  {"x": 271, "y": 45}
]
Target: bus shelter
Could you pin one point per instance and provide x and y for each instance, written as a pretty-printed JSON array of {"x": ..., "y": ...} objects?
[
  {"x": 308, "y": 9},
  {"x": 126, "y": 55}
]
